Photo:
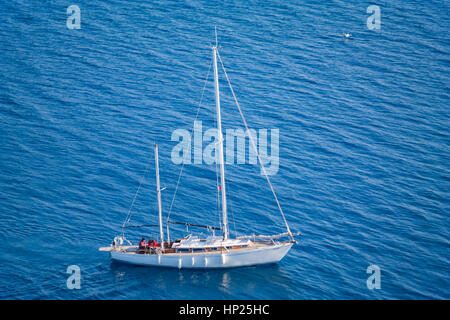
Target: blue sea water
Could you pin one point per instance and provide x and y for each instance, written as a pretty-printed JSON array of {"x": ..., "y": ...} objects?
[{"x": 364, "y": 144}]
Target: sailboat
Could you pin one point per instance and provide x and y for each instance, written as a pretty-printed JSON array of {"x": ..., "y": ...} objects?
[{"x": 214, "y": 251}]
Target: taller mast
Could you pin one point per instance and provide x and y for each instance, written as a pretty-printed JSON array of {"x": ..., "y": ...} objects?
[
  {"x": 219, "y": 131},
  {"x": 158, "y": 189}
]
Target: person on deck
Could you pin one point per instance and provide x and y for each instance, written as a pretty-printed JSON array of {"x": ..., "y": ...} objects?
[
  {"x": 151, "y": 243},
  {"x": 142, "y": 244}
]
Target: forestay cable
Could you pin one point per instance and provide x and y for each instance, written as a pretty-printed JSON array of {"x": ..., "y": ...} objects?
[{"x": 255, "y": 148}]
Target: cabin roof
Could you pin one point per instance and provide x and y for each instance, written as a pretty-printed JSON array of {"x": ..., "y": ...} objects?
[{"x": 209, "y": 242}]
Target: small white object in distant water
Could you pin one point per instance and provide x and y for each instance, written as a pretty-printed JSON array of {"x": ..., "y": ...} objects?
[{"x": 347, "y": 35}]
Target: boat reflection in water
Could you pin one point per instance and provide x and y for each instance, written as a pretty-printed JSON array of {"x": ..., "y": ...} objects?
[{"x": 220, "y": 283}]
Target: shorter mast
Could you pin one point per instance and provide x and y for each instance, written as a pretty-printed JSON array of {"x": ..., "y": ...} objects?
[{"x": 158, "y": 189}]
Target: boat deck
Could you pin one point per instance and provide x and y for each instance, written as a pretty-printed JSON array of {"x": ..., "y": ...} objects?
[{"x": 134, "y": 250}]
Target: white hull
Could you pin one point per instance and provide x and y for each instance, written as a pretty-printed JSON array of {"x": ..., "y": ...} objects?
[{"x": 209, "y": 260}]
